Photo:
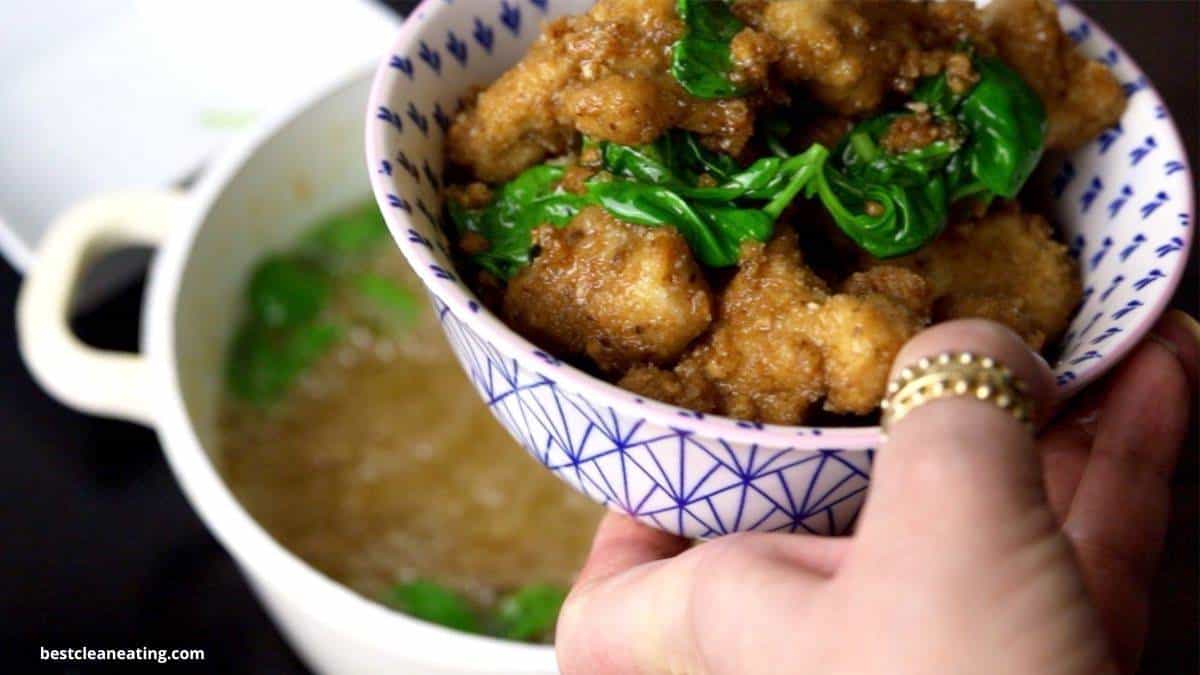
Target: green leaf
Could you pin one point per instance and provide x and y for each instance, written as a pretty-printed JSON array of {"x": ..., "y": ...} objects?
[
  {"x": 531, "y": 612},
  {"x": 265, "y": 360},
  {"x": 398, "y": 300},
  {"x": 655, "y": 206},
  {"x": 525, "y": 203},
  {"x": 701, "y": 60},
  {"x": 348, "y": 233},
  {"x": 910, "y": 216},
  {"x": 1003, "y": 122},
  {"x": 434, "y": 603},
  {"x": 1007, "y": 123},
  {"x": 287, "y": 291}
]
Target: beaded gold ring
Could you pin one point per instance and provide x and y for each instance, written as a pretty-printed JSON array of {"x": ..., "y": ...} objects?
[{"x": 956, "y": 374}]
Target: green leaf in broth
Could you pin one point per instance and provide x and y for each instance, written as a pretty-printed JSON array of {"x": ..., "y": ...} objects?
[
  {"x": 287, "y": 291},
  {"x": 348, "y": 233},
  {"x": 434, "y": 603},
  {"x": 386, "y": 293},
  {"x": 531, "y": 612},
  {"x": 264, "y": 361}
]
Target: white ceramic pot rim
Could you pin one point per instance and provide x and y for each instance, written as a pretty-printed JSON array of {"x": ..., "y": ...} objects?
[
  {"x": 207, "y": 491},
  {"x": 572, "y": 379}
]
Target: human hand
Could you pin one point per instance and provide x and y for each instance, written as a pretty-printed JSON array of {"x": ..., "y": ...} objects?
[{"x": 979, "y": 550}]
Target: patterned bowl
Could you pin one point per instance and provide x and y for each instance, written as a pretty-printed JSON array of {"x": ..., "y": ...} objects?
[{"x": 1124, "y": 201}]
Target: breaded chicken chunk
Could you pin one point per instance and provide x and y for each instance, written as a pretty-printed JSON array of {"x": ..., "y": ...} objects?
[
  {"x": 1006, "y": 267},
  {"x": 850, "y": 53},
  {"x": 1082, "y": 97},
  {"x": 604, "y": 74},
  {"x": 619, "y": 294},
  {"x": 782, "y": 341}
]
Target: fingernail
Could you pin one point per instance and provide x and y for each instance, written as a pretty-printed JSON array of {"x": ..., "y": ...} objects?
[
  {"x": 1166, "y": 344},
  {"x": 1179, "y": 334},
  {"x": 1186, "y": 322}
]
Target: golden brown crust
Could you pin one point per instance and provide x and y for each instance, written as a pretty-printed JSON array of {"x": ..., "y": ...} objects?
[
  {"x": 782, "y": 341},
  {"x": 850, "y": 53},
  {"x": 904, "y": 286},
  {"x": 691, "y": 392},
  {"x": 604, "y": 74},
  {"x": 619, "y": 294},
  {"x": 1082, "y": 97},
  {"x": 1007, "y": 267},
  {"x": 915, "y": 131},
  {"x": 625, "y": 110},
  {"x": 776, "y": 339}
]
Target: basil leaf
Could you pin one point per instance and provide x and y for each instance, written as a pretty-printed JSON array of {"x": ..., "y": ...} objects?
[
  {"x": 265, "y": 360},
  {"x": 523, "y": 204},
  {"x": 1004, "y": 126},
  {"x": 531, "y": 612},
  {"x": 386, "y": 293},
  {"x": 287, "y": 291},
  {"x": 909, "y": 216},
  {"x": 346, "y": 234},
  {"x": 1007, "y": 123},
  {"x": 701, "y": 61},
  {"x": 655, "y": 206},
  {"x": 434, "y": 603}
]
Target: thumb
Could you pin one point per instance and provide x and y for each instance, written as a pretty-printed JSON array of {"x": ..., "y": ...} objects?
[{"x": 959, "y": 472}]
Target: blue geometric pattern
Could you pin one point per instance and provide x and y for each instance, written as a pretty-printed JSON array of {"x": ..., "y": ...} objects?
[
  {"x": 1124, "y": 203},
  {"x": 667, "y": 476}
]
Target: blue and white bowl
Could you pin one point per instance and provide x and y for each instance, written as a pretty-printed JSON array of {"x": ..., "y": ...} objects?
[{"x": 1124, "y": 202}]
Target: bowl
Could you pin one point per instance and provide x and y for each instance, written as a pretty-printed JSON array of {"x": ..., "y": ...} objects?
[
  {"x": 257, "y": 198},
  {"x": 1124, "y": 203}
]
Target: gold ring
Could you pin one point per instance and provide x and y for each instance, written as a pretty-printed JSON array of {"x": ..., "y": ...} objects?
[{"x": 954, "y": 374}]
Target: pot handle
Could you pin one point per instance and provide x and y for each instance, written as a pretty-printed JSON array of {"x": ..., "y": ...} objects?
[{"x": 111, "y": 384}]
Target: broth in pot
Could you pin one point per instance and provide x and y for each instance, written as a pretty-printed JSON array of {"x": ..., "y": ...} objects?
[{"x": 352, "y": 435}]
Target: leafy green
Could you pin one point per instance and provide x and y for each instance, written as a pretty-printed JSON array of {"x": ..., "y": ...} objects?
[
  {"x": 286, "y": 291},
  {"x": 388, "y": 294},
  {"x": 1007, "y": 125},
  {"x": 282, "y": 333},
  {"x": 701, "y": 60},
  {"x": 521, "y": 205},
  {"x": 531, "y": 612},
  {"x": 889, "y": 203},
  {"x": 264, "y": 360},
  {"x": 348, "y": 233},
  {"x": 652, "y": 205},
  {"x": 434, "y": 603},
  {"x": 1002, "y": 134}
]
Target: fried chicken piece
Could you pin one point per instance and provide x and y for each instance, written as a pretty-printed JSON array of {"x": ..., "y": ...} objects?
[
  {"x": 1005, "y": 266},
  {"x": 759, "y": 355},
  {"x": 620, "y": 294},
  {"x": 605, "y": 74},
  {"x": 850, "y": 53},
  {"x": 1082, "y": 97},
  {"x": 782, "y": 341},
  {"x": 686, "y": 390}
]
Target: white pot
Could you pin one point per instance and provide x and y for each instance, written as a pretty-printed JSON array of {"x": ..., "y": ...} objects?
[{"x": 257, "y": 199}]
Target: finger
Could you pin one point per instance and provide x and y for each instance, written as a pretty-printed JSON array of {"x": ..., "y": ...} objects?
[
  {"x": 647, "y": 618},
  {"x": 622, "y": 543},
  {"x": 1180, "y": 334},
  {"x": 1118, "y": 518},
  {"x": 1065, "y": 445},
  {"x": 958, "y": 469}
]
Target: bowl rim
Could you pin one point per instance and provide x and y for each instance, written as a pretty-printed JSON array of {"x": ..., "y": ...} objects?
[{"x": 479, "y": 318}]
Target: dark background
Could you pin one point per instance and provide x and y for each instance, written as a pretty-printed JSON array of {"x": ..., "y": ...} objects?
[{"x": 99, "y": 548}]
